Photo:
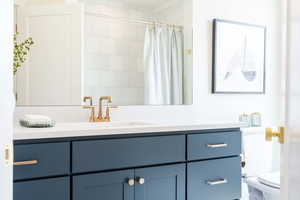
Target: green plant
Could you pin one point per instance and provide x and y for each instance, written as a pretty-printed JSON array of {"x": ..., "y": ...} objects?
[{"x": 21, "y": 51}]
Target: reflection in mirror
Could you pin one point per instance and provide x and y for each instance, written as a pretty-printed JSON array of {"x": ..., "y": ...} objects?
[{"x": 137, "y": 52}]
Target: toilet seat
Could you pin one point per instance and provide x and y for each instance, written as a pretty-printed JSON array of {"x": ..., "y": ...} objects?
[
  {"x": 270, "y": 179},
  {"x": 264, "y": 187}
]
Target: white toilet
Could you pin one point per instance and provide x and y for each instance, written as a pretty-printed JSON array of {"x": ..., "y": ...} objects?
[
  {"x": 261, "y": 175},
  {"x": 264, "y": 187}
]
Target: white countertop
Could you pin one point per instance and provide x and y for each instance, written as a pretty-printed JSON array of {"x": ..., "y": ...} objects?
[{"x": 83, "y": 129}]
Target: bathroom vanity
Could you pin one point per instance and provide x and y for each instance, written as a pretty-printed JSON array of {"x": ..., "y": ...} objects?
[{"x": 137, "y": 163}]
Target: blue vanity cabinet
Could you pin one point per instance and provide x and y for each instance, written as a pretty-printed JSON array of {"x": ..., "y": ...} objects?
[
  {"x": 106, "y": 186},
  {"x": 160, "y": 183},
  {"x": 190, "y": 165}
]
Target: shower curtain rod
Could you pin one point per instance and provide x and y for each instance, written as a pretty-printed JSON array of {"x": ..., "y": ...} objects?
[{"x": 138, "y": 21}]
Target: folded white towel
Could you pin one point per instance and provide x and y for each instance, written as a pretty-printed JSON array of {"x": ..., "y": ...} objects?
[{"x": 36, "y": 121}]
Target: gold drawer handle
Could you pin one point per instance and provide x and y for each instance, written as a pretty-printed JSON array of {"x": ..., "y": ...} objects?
[
  {"x": 217, "y": 145},
  {"x": 23, "y": 163},
  {"x": 218, "y": 182}
]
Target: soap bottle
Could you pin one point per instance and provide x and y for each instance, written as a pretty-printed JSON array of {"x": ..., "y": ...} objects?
[
  {"x": 244, "y": 118},
  {"x": 256, "y": 119}
]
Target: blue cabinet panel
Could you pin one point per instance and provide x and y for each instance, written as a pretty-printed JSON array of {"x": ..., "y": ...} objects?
[
  {"x": 161, "y": 183},
  {"x": 214, "y": 179},
  {"x": 47, "y": 189},
  {"x": 122, "y": 153},
  {"x": 106, "y": 186},
  {"x": 214, "y": 145},
  {"x": 52, "y": 159}
]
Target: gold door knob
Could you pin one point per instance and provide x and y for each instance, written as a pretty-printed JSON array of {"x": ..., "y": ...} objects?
[
  {"x": 131, "y": 182},
  {"x": 270, "y": 134},
  {"x": 141, "y": 181}
]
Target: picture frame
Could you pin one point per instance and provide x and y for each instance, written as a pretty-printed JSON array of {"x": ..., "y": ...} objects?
[{"x": 239, "y": 51}]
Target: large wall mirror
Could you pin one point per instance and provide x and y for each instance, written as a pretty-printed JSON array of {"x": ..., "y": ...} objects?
[{"x": 137, "y": 51}]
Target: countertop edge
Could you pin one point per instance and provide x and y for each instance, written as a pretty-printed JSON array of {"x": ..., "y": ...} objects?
[{"x": 121, "y": 132}]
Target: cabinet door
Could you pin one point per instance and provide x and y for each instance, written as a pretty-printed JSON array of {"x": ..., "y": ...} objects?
[
  {"x": 47, "y": 189},
  {"x": 106, "y": 186},
  {"x": 160, "y": 183}
]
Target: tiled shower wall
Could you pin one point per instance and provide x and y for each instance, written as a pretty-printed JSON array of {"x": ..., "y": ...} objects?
[{"x": 113, "y": 58}]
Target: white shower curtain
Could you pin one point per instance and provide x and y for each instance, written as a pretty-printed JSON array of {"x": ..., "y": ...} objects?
[{"x": 163, "y": 62}]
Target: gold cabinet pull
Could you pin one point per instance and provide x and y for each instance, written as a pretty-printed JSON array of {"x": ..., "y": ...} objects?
[
  {"x": 23, "y": 163},
  {"x": 217, "y": 145},
  {"x": 218, "y": 182},
  {"x": 141, "y": 181},
  {"x": 130, "y": 182}
]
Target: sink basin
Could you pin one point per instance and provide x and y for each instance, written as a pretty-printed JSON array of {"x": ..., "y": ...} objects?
[{"x": 117, "y": 124}]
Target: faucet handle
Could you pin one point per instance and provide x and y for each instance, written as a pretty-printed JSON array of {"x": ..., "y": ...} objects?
[
  {"x": 92, "y": 116},
  {"x": 108, "y": 107},
  {"x": 88, "y": 98}
]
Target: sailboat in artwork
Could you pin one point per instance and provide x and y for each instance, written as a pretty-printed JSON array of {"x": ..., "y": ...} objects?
[{"x": 244, "y": 61}]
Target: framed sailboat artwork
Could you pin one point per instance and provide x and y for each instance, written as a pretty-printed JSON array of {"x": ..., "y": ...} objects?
[{"x": 238, "y": 57}]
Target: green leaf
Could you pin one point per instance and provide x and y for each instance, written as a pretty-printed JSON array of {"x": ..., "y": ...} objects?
[{"x": 21, "y": 51}]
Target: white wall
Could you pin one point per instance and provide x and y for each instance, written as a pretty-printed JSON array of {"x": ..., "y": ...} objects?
[
  {"x": 6, "y": 94},
  {"x": 264, "y": 12},
  {"x": 209, "y": 107}
]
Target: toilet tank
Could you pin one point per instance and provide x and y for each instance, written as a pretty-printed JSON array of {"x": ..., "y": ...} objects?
[{"x": 261, "y": 156}]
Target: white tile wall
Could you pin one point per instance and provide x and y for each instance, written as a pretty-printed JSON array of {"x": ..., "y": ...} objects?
[{"x": 114, "y": 57}]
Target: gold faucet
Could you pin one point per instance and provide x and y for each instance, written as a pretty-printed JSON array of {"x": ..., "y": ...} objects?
[
  {"x": 100, "y": 114},
  {"x": 100, "y": 117}
]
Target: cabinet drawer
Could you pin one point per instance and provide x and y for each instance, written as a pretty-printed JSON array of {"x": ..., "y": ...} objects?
[
  {"x": 48, "y": 189},
  {"x": 214, "y": 179},
  {"x": 130, "y": 152},
  {"x": 214, "y": 145},
  {"x": 41, "y": 160}
]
